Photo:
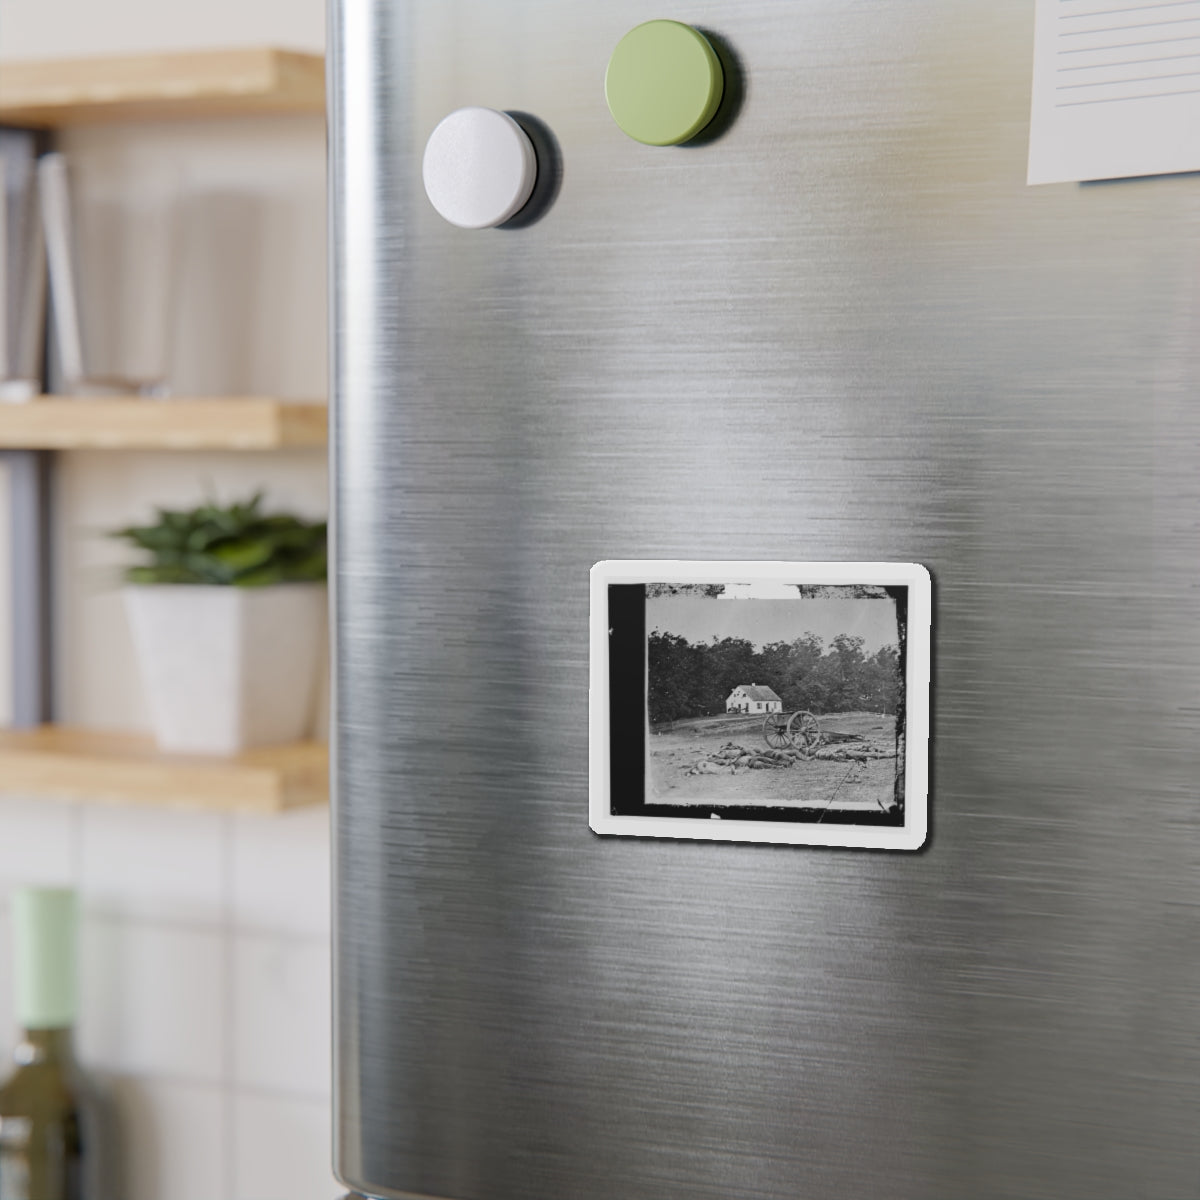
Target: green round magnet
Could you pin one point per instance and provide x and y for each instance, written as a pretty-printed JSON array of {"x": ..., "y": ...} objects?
[{"x": 664, "y": 83}]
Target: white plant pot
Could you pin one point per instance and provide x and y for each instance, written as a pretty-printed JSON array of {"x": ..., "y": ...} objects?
[{"x": 227, "y": 668}]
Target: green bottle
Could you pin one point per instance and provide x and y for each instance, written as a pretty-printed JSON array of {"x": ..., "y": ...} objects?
[{"x": 42, "y": 1141}]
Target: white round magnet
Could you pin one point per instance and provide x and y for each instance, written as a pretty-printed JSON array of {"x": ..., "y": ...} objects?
[{"x": 479, "y": 168}]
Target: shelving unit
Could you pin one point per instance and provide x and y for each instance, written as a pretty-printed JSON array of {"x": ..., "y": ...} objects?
[
  {"x": 80, "y": 764},
  {"x": 218, "y": 83},
  {"x": 227, "y": 423},
  {"x": 43, "y": 759}
]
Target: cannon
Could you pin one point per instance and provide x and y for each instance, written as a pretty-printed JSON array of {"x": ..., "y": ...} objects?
[{"x": 798, "y": 730}]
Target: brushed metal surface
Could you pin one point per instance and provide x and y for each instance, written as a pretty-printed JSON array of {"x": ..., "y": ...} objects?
[{"x": 843, "y": 330}]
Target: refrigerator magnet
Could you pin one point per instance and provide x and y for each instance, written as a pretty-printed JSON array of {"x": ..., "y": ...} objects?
[{"x": 761, "y": 702}]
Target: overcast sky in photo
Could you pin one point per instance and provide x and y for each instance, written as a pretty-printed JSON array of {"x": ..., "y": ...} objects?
[{"x": 699, "y": 618}]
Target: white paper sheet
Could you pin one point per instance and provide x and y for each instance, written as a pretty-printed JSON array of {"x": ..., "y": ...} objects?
[{"x": 1116, "y": 89}]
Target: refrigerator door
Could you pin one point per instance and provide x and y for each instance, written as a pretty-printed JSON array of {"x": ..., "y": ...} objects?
[{"x": 844, "y": 329}]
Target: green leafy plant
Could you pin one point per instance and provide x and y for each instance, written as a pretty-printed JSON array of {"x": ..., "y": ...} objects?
[{"x": 237, "y": 546}]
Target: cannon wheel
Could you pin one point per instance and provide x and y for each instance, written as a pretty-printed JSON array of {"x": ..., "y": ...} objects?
[
  {"x": 804, "y": 732},
  {"x": 775, "y": 730}
]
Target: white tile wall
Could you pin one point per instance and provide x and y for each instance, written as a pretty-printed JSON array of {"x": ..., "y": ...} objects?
[
  {"x": 282, "y": 1150},
  {"x": 281, "y": 872},
  {"x": 205, "y": 981},
  {"x": 282, "y": 1015},
  {"x": 154, "y": 864},
  {"x": 171, "y": 1141},
  {"x": 156, "y": 1000},
  {"x": 6, "y": 698},
  {"x": 38, "y": 843}
]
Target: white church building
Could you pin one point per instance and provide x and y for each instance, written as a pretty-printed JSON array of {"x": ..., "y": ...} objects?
[{"x": 751, "y": 698}]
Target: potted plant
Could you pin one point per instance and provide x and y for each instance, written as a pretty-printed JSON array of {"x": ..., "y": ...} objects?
[{"x": 228, "y": 622}]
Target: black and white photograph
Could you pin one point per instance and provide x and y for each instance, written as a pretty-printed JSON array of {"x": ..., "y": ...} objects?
[{"x": 790, "y": 696}]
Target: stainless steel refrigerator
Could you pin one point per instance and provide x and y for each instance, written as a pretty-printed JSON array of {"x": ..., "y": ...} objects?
[{"x": 835, "y": 326}]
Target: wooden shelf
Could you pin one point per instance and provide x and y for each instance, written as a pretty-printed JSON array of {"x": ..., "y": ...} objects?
[
  {"x": 78, "y": 764},
  {"x": 229, "y": 423},
  {"x": 215, "y": 83}
]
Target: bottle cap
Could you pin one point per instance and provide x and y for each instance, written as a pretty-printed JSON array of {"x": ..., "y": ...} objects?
[{"x": 44, "y": 925}]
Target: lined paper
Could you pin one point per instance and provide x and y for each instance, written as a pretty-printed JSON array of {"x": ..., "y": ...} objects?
[{"x": 1116, "y": 89}]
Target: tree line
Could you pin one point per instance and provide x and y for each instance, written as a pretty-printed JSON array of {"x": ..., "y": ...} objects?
[{"x": 694, "y": 679}]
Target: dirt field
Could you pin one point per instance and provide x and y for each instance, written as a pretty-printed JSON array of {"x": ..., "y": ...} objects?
[{"x": 830, "y": 785}]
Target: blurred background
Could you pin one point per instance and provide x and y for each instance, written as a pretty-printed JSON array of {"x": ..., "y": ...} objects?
[{"x": 205, "y": 934}]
